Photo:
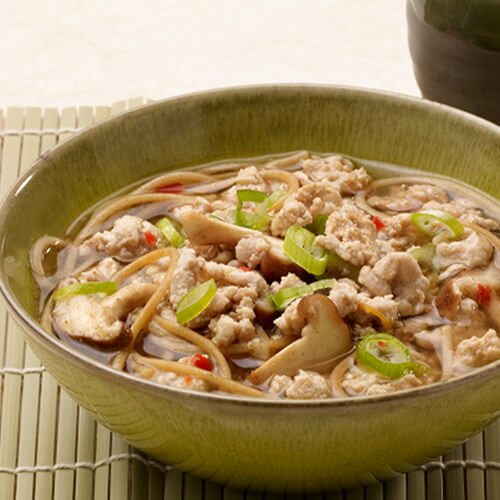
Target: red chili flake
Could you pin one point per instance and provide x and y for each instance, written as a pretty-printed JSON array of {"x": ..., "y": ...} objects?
[
  {"x": 202, "y": 362},
  {"x": 245, "y": 268},
  {"x": 188, "y": 380},
  {"x": 177, "y": 187},
  {"x": 483, "y": 296},
  {"x": 150, "y": 237},
  {"x": 378, "y": 223},
  {"x": 382, "y": 343}
]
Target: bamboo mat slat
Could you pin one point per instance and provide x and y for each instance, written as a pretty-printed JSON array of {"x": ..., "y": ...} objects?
[{"x": 51, "y": 449}]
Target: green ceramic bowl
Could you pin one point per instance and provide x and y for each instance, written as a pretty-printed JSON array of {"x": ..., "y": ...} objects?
[{"x": 277, "y": 445}]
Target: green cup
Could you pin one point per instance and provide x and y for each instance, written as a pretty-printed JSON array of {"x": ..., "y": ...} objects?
[{"x": 455, "y": 47}]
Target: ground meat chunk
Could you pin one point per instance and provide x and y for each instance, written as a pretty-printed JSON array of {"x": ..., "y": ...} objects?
[
  {"x": 185, "y": 276},
  {"x": 466, "y": 211},
  {"x": 473, "y": 250},
  {"x": 407, "y": 198},
  {"x": 291, "y": 322},
  {"x": 338, "y": 171},
  {"x": 288, "y": 281},
  {"x": 103, "y": 271},
  {"x": 228, "y": 330},
  {"x": 235, "y": 276},
  {"x": 126, "y": 240},
  {"x": 308, "y": 385},
  {"x": 408, "y": 381},
  {"x": 399, "y": 274},
  {"x": 345, "y": 296},
  {"x": 247, "y": 178},
  {"x": 238, "y": 324},
  {"x": 477, "y": 351},
  {"x": 399, "y": 234},
  {"x": 249, "y": 251},
  {"x": 303, "y": 205},
  {"x": 359, "y": 380},
  {"x": 351, "y": 235},
  {"x": 194, "y": 204}
]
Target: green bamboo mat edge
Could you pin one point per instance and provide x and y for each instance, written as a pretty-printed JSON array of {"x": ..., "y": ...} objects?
[{"x": 52, "y": 449}]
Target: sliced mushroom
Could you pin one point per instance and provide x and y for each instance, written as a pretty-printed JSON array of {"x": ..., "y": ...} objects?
[
  {"x": 323, "y": 341},
  {"x": 202, "y": 230},
  {"x": 275, "y": 264},
  {"x": 265, "y": 312},
  {"x": 100, "y": 321}
]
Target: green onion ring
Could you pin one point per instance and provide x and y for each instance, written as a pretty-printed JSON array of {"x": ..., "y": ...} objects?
[
  {"x": 169, "y": 231},
  {"x": 283, "y": 298},
  {"x": 425, "y": 220},
  {"x": 195, "y": 301},
  {"x": 386, "y": 355},
  {"x": 299, "y": 246}
]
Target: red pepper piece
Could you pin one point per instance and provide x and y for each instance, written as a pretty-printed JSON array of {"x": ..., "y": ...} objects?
[
  {"x": 150, "y": 237},
  {"x": 202, "y": 362},
  {"x": 382, "y": 343},
  {"x": 245, "y": 268},
  {"x": 188, "y": 379},
  {"x": 483, "y": 296},
  {"x": 378, "y": 223},
  {"x": 177, "y": 187}
]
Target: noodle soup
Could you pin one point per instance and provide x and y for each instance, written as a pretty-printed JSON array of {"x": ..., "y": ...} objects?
[{"x": 300, "y": 277}]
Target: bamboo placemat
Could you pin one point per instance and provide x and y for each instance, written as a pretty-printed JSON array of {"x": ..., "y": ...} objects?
[{"x": 51, "y": 449}]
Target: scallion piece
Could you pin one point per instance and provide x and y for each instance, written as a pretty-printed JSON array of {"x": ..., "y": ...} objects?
[
  {"x": 386, "y": 355},
  {"x": 195, "y": 301},
  {"x": 429, "y": 221},
  {"x": 169, "y": 231},
  {"x": 248, "y": 219},
  {"x": 318, "y": 225},
  {"x": 106, "y": 287},
  {"x": 283, "y": 298},
  {"x": 424, "y": 255},
  {"x": 299, "y": 246}
]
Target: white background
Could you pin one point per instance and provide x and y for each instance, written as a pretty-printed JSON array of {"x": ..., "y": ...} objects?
[{"x": 79, "y": 52}]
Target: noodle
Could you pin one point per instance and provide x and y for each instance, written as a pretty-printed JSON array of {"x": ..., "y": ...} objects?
[
  {"x": 223, "y": 383},
  {"x": 337, "y": 374},
  {"x": 149, "y": 258},
  {"x": 121, "y": 204},
  {"x": 184, "y": 178},
  {"x": 38, "y": 250},
  {"x": 147, "y": 311},
  {"x": 206, "y": 345}
]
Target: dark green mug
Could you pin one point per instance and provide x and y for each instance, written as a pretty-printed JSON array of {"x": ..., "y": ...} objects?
[{"x": 455, "y": 47}]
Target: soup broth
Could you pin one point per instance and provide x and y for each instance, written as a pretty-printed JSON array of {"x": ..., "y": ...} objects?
[{"x": 298, "y": 277}]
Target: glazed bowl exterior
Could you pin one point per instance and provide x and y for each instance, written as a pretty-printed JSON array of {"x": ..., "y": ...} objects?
[{"x": 241, "y": 442}]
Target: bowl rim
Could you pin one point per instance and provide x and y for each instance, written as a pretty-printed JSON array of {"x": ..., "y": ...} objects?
[{"x": 34, "y": 330}]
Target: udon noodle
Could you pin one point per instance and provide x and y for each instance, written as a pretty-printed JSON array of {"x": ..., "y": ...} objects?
[{"x": 300, "y": 277}]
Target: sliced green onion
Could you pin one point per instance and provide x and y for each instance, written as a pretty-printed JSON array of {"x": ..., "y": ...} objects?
[
  {"x": 249, "y": 219},
  {"x": 251, "y": 195},
  {"x": 271, "y": 200},
  {"x": 299, "y": 246},
  {"x": 424, "y": 255},
  {"x": 337, "y": 266},
  {"x": 170, "y": 232},
  {"x": 195, "y": 301},
  {"x": 283, "y": 298},
  {"x": 318, "y": 225},
  {"x": 386, "y": 355},
  {"x": 106, "y": 287},
  {"x": 428, "y": 222}
]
